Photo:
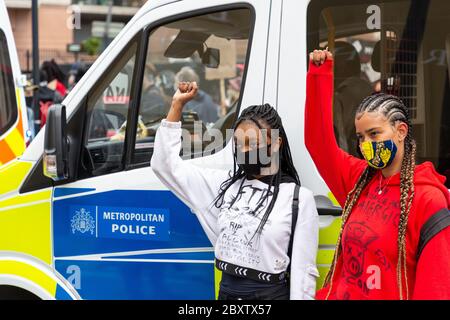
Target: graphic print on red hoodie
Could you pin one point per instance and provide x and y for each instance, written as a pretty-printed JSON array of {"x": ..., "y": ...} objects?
[{"x": 367, "y": 266}]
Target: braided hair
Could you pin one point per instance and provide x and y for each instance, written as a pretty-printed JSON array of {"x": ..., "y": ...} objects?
[
  {"x": 265, "y": 117},
  {"x": 394, "y": 110}
]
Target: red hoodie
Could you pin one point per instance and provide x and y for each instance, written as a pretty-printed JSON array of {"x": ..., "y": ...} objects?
[{"x": 366, "y": 268}]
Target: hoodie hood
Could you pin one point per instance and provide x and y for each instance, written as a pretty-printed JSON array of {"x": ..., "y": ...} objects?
[{"x": 426, "y": 175}]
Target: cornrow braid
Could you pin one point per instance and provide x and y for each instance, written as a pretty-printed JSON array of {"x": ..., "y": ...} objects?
[
  {"x": 394, "y": 110},
  {"x": 264, "y": 116},
  {"x": 407, "y": 192}
]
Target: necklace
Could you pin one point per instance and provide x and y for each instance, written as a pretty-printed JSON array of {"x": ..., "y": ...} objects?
[{"x": 380, "y": 190}]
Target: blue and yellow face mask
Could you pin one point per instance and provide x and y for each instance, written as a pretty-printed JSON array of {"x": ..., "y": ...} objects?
[{"x": 379, "y": 154}]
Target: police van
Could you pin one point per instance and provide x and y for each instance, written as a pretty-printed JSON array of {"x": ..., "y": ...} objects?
[
  {"x": 13, "y": 112},
  {"x": 82, "y": 215}
]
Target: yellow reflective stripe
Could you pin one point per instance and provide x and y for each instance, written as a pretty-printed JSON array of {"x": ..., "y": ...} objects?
[
  {"x": 327, "y": 237},
  {"x": 24, "y": 221},
  {"x": 27, "y": 230},
  {"x": 18, "y": 99},
  {"x": 28, "y": 272},
  {"x": 333, "y": 199},
  {"x": 15, "y": 142},
  {"x": 217, "y": 279},
  {"x": 7, "y": 166},
  {"x": 26, "y": 199},
  {"x": 12, "y": 175},
  {"x": 330, "y": 234},
  {"x": 322, "y": 274},
  {"x": 325, "y": 256}
]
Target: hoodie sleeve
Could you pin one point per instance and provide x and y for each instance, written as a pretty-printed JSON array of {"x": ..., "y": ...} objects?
[
  {"x": 195, "y": 186},
  {"x": 339, "y": 169},
  {"x": 304, "y": 249},
  {"x": 432, "y": 280}
]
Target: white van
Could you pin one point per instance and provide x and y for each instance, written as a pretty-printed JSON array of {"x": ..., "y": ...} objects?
[
  {"x": 13, "y": 111},
  {"x": 104, "y": 226}
]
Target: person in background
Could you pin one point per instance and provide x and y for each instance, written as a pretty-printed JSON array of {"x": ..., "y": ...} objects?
[
  {"x": 153, "y": 106},
  {"x": 234, "y": 87},
  {"x": 76, "y": 73},
  {"x": 350, "y": 90},
  {"x": 202, "y": 103},
  {"x": 55, "y": 77},
  {"x": 30, "y": 89},
  {"x": 51, "y": 88},
  {"x": 167, "y": 83}
]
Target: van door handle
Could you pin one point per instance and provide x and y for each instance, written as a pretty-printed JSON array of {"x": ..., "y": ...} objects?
[
  {"x": 330, "y": 211},
  {"x": 326, "y": 208}
]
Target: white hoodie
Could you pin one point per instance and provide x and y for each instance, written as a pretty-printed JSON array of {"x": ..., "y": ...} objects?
[{"x": 230, "y": 229}]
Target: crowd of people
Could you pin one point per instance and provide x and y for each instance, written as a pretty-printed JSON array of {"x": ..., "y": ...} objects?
[
  {"x": 157, "y": 90},
  {"x": 53, "y": 87},
  {"x": 159, "y": 86}
]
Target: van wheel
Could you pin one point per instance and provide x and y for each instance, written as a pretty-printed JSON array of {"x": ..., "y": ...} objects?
[{"x": 15, "y": 293}]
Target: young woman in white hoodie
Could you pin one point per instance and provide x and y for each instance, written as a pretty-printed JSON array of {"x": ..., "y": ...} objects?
[{"x": 263, "y": 225}]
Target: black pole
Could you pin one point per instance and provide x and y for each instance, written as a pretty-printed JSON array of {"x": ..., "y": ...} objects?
[
  {"x": 28, "y": 60},
  {"x": 36, "y": 80}
]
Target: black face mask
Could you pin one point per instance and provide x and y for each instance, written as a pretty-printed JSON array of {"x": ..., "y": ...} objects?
[{"x": 252, "y": 160}]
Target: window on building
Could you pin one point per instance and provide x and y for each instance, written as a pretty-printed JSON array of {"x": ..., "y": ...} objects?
[{"x": 211, "y": 49}]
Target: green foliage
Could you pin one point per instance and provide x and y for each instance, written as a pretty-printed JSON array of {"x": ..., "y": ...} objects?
[{"x": 91, "y": 45}]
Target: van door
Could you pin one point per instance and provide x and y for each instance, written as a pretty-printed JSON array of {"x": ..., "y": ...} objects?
[
  {"x": 118, "y": 233},
  {"x": 13, "y": 119}
]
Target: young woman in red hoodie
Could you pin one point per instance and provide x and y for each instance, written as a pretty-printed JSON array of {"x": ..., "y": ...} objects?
[{"x": 394, "y": 241}]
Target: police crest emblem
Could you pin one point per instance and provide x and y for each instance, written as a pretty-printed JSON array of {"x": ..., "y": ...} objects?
[{"x": 83, "y": 222}]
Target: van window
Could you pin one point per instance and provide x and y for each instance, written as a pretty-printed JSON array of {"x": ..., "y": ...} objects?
[
  {"x": 108, "y": 106},
  {"x": 210, "y": 49},
  {"x": 8, "y": 106},
  {"x": 397, "y": 47}
]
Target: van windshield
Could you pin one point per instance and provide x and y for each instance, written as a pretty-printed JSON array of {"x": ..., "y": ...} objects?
[{"x": 210, "y": 49}]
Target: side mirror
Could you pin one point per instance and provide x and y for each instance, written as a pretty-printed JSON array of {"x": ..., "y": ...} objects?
[
  {"x": 56, "y": 146},
  {"x": 211, "y": 58}
]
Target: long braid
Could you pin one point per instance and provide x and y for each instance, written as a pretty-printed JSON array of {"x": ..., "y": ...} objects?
[
  {"x": 406, "y": 196},
  {"x": 394, "y": 110},
  {"x": 352, "y": 198}
]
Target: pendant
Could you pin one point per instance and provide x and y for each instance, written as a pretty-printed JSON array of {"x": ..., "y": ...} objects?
[{"x": 379, "y": 192}]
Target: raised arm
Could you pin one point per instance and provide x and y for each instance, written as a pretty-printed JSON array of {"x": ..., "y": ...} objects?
[
  {"x": 339, "y": 169},
  {"x": 197, "y": 187}
]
